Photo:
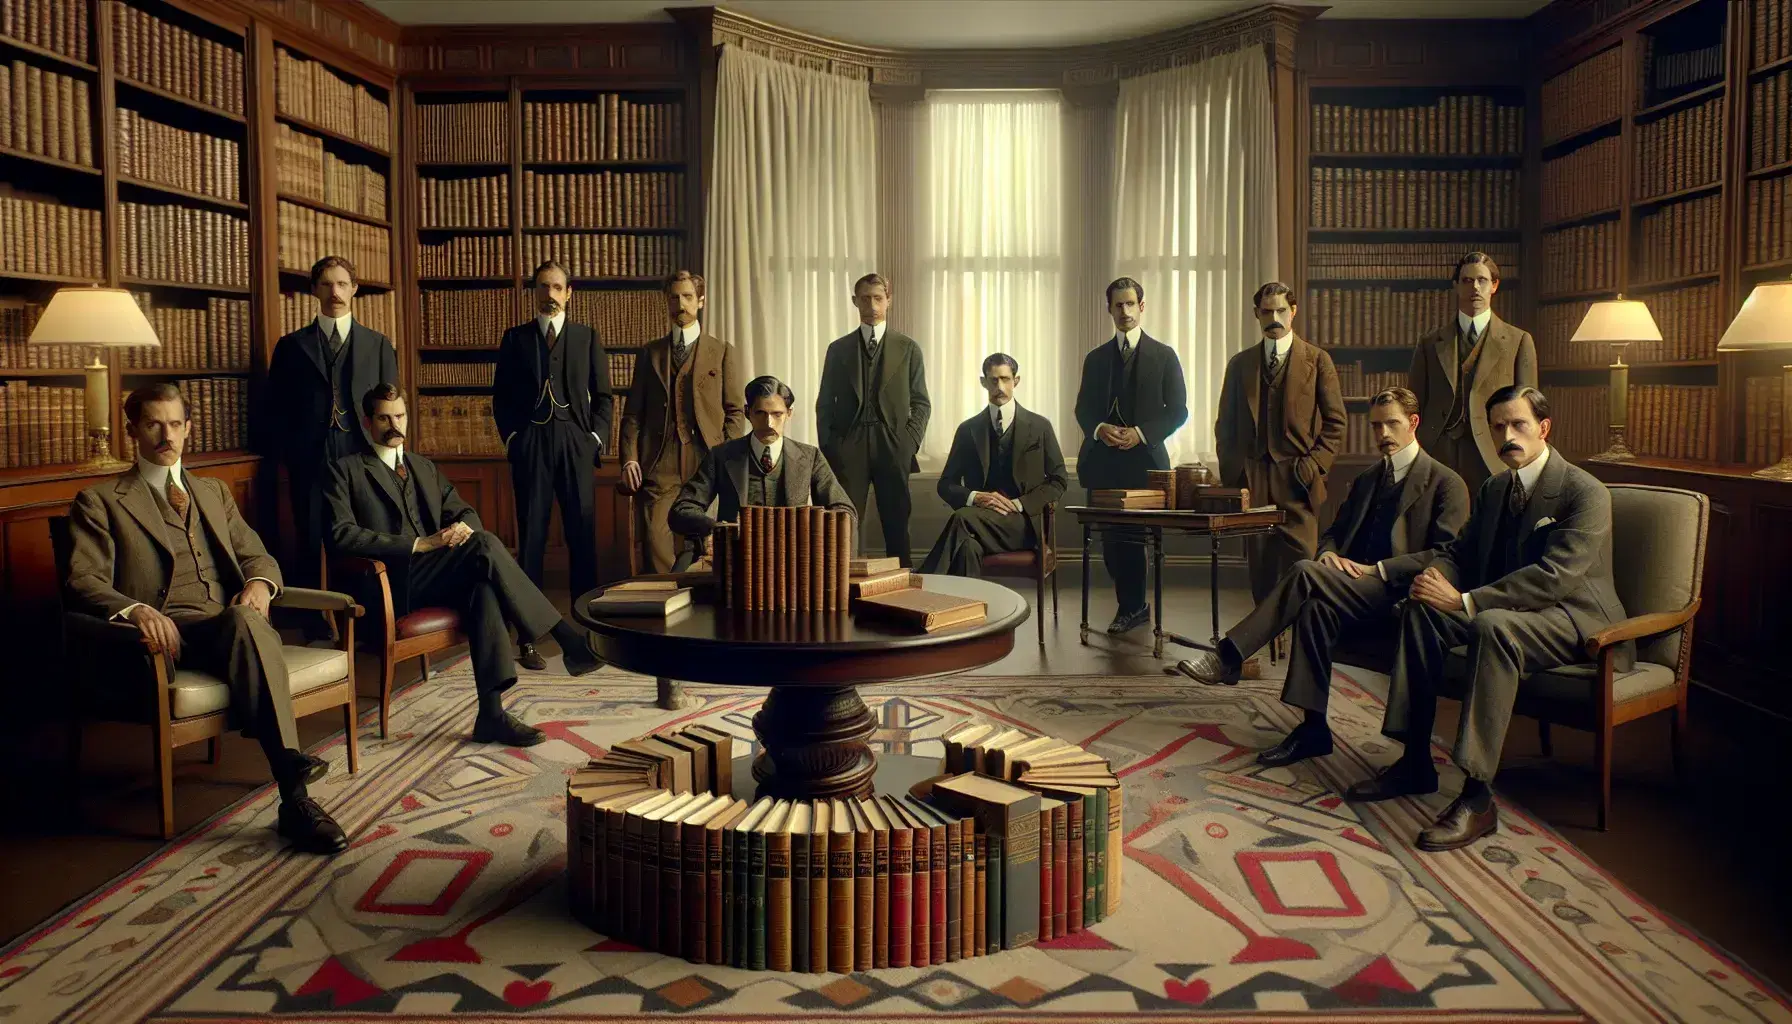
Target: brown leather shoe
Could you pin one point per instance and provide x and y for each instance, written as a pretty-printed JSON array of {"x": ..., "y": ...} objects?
[
  {"x": 1402, "y": 778},
  {"x": 1459, "y": 826}
]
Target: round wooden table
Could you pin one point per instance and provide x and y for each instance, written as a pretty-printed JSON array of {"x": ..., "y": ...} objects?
[{"x": 814, "y": 727}]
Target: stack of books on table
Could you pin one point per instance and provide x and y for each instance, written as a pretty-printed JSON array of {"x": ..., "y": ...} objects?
[
  {"x": 1124, "y": 497},
  {"x": 641, "y": 597},
  {"x": 873, "y": 576}
]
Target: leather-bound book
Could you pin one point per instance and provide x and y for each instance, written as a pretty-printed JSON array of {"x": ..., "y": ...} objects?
[
  {"x": 802, "y": 814},
  {"x": 700, "y": 758},
  {"x": 740, "y": 899},
  {"x": 957, "y": 741},
  {"x": 721, "y": 756},
  {"x": 981, "y": 901},
  {"x": 921, "y": 891},
  {"x": 641, "y": 872},
  {"x": 864, "y": 885},
  {"x": 673, "y": 867},
  {"x": 880, "y": 882},
  {"x": 902, "y": 882},
  {"x": 819, "y": 866},
  {"x": 967, "y": 887},
  {"x": 883, "y": 583},
  {"x": 843, "y": 560},
  {"x": 777, "y": 888},
  {"x": 939, "y": 884},
  {"x": 1114, "y": 850},
  {"x": 874, "y": 566},
  {"x": 1012, "y": 814},
  {"x": 715, "y": 830},
  {"x": 925, "y": 610},
  {"x": 616, "y": 843},
  {"x": 793, "y": 558},
  {"x": 1061, "y": 874},
  {"x": 815, "y": 535},
  {"x": 800, "y": 553},
  {"x": 830, "y": 545},
  {"x": 842, "y": 851},
  {"x": 1047, "y": 868},
  {"x": 693, "y": 901},
  {"x": 588, "y": 867}
]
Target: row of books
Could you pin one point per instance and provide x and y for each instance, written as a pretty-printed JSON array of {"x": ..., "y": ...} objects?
[
  {"x": 1766, "y": 237},
  {"x": 589, "y": 256},
  {"x": 463, "y": 132},
  {"x": 1691, "y": 320},
  {"x": 308, "y": 235},
  {"x": 1369, "y": 261},
  {"x": 1673, "y": 421},
  {"x": 1764, "y": 420},
  {"x": 785, "y": 559},
  {"x": 1679, "y": 239},
  {"x": 162, "y": 54},
  {"x": 1579, "y": 417},
  {"x": 45, "y": 113},
  {"x": 39, "y": 236},
  {"x": 1682, "y": 150},
  {"x": 1772, "y": 33},
  {"x": 622, "y": 368},
  {"x": 1359, "y": 438},
  {"x": 604, "y": 199},
  {"x": 1770, "y": 121},
  {"x": 1359, "y": 197},
  {"x": 1580, "y": 258},
  {"x": 219, "y": 413},
  {"x": 216, "y": 336},
  {"x": 482, "y": 202},
  {"x": 474, "y": 256},
  {"x": 456, "y": 425},
  {"x": 623, "y": 319},
  {"x": 1585, "y": 96},
  {"x": 152, "y": 151},
  {"x": 304, "y": 168},
  {"x": 312, "y": 92},
  {"x": 1450, "y": 125},
  {"x": 41, "y": 426},
  {"x": 168, "y": 242},
  {"x": 472, "y": 318},
  {"x": 611, "y": 128},
  {"x": 1357, "y": 382},
  {"x": 1133, "y": 497},
  {"x": 1582, "y": 181},
  {"x": 456, "y": 375},
  {"x": 1676, "y": 71},
  {"x": 1380, "y": 317},
  {"x": 59, "y": 25},
  {"x": 376, "y": 310}
]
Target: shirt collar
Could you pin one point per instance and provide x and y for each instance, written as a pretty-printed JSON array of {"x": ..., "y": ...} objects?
[
  {"x": 692, "y": 333},
  {"x": 341, "y": 324},
  {"x": 759, "y": 449},
  {"x": 875, "y": 330},
  {"x": 1403, "y": 459},
  {"x": 558, "y": 320},
  {"x": 1132, "y": 336},
  {"x": 1006, "y": 413},
  {"x": 1480, "y": 321},
  {"x": 1529, "y": 474},
  {"x": 389, "y": 456},
  {"x": 1282, "y": 344},
  {"x": 156, "y": 475}
]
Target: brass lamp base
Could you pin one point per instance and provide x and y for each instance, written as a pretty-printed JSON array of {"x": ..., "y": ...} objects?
[
  {"x": 100, "y": 458},
  {"x": 1781, "y": 471},
  {"x": 1617, "y": 451}
]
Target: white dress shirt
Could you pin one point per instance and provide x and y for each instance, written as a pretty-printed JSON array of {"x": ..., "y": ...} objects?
[
  {"x": 157, "y": 476},
  {"x": 339, "y": 325},
  {"x": 557, "y": 322},
  {"x": 1280, "y": 345},
  {"x": 1526, "y": 476},
  {"x": 1403, "y": 460},
  {"x": 760, "y": 448},
  {"x": 690, "y": 334},
  {"x": 1004, "y": 418},
  {"x": 873, "y": 333},
  {"x": 1130, "y": 339},
  {"x": 389, "y": 456},
  {"x": 1479, "y": 320}
]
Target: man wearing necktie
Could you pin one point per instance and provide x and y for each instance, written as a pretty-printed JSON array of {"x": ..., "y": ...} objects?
[
  {"x": 1520, "y": 590},
  {"x": 551, "y": 402},
  {"x": 1407, "y": 502},
  {"x": 1456, "y": 366},
  {"x": 683, "y": 402},
  {"x": 871, "y": 412},
  {"x": 314, "y": 378}
]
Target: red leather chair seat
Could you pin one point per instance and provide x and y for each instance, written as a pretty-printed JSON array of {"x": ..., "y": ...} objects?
[
  {"x": 427, "y": 620},
  {"x": 1017, "y": 562}
]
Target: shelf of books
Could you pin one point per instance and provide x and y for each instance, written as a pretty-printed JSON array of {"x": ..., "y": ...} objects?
[{"x": 1764, "y": 235}]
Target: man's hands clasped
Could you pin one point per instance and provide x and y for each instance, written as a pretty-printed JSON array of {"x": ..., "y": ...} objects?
[
  {"x": 996, "y": 502},
  {"x": 451, "y": 536},
  {"x": 1433, "y": 588},
  {"x": 1117, "y": 437},
  {"x": 1355, "y": 570}
]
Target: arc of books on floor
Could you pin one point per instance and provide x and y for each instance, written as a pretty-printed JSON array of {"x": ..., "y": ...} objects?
[{"x": 993, "y": 854}]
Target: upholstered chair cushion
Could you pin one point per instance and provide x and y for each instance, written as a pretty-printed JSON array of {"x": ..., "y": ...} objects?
[
  {"x": 1010, "y": 563},
  {"x": 1570, "y": 684},
  {"x": 196, "y": 693},
  {"x": 1656, "y": 548},
  {"x": 427, "y": 620}
]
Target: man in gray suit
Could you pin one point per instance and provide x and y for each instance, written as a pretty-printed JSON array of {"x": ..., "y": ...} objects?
[
  {"x": 1523, "y": 587},
  {"x": 871, "y": 412},
  {"x": 1409, "y": 502}
]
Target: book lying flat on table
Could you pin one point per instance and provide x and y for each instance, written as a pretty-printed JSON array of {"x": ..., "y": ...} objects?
[
  {"x": 641, "y": 585},
  {"x": 1121, "y": 497},
  {"x": 640, "y": 601},
  {"x": 884, "y": 582},
  {"x": 875, "y": 566},
  {"x": 926, "y": 610}
]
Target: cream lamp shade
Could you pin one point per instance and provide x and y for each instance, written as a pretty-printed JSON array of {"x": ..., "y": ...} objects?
[
  {"x": 93, "y": 316},
  {"x": 1765, "y": 321},
  {"x": 1617, "y": 321}
]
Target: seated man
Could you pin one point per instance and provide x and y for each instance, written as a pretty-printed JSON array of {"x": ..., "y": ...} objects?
[
  {"x": 1410, "y": 502},
  {"x": 1004, "y": 468},
  {"x": 1529, "y": 579},
  {"x": 397, "y": 507},
  {"x": 169, "y": 553},
  {"x": 762, "y": 468}
]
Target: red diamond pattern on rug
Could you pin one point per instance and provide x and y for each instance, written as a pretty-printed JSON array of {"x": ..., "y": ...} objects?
[
  {"x": 423, "y": 863},
  {"x": 1275, "y": 876}
]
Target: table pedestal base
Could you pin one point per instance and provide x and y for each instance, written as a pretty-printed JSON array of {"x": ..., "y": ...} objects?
[{"x": 815, "y": 743}]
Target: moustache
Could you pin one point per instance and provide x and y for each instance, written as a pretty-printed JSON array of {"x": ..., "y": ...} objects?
[
  {"x": 165, "y": 446},
  {"x": 393, "y": 434},
  {"x": 1511, "y": 446}
]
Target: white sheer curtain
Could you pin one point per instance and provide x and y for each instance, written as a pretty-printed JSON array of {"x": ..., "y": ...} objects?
[
  {"x": 791, "y": 216},
  {"x": 1195, "y": 216}
]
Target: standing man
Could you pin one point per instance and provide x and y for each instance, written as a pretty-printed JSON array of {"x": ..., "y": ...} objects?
[
  {"x": 683, "y": 403},
  {"x": 314, "y": 379},
  {"x": 551, "y": 400},
  {"x": 871, "y": 412},
  {"x": 1409, "y": 502},
  {"x": 1523, "y": 588},
  {"x": 1004, "y": 468},
  {"x": 1281, "y": 423},
  {"x": 1131, "y": 399},
  {"x": 1456, "y": 366}
]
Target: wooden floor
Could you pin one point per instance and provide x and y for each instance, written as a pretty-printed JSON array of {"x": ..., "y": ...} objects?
[{"x": 1712, "y": 851}]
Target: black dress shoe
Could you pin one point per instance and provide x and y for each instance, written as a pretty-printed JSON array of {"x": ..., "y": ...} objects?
[
  {"x": 1208, "y": 667},
  {"x": 1402, "y": 778},
  {"x": 310, "y": 828},
  {"x": 530, "y": 658},
  {"x": 506, "y": 729},
  {"x": 1126, "y": 622},
  {"x": 579, "y": 659},
  {"x": 1459, "y": 826},
  {"x": 1301, "y": 743}
]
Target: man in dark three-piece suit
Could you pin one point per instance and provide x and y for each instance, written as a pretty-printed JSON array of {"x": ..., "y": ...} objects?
[
  {"x": 871, "y": 412},
  {"x": 1522, "y": 588},
  {"x": 1281, "y": 423},
  {"x": 395, "y": 506},
  {"x": 1131, "y": 399},
  {"x": 1004, "y": 468},
  {"x": 551, "y": 401},
  {"x": 1408, "y": 502}
]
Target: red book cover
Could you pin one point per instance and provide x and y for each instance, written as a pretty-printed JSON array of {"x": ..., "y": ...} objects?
[
  {"x": 902, "y": 867},
  {"x": 1060, "y": 858},
  {"x": 1047, "y": 874},
  {"x": 920, "y": 934},
  {"x": 1073, "y": 888}
]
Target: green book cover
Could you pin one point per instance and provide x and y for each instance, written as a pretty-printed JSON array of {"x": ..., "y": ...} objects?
[
  {"x": 800, "y": 818},
  {"x": 1101, "y": 855},
  {"x": 755, "y": 905},
  {"x": 742, "y": 895},
  {"x": 728, "y": 896},
  {"x": 1091, "y": 807}
]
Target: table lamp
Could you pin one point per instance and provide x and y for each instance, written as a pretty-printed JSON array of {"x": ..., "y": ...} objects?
[
  {"x": 98, "y": 317},
  {"x": 1617, "y": 322},
  {"x": 1765, "y": 325}
]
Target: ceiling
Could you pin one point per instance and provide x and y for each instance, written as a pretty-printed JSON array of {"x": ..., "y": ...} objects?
[{"x": 934, "y": 24}]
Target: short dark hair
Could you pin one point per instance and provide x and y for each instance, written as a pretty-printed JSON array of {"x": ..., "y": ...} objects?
[
  {"x": 1123, "y": 283},
  {"x": 996, "y": 359},
  {"x": 384, "y": 391},
  {"x": 535, "y": 277},
  {"x": 1513, "y": 392},
  {"x": 1273, "y": 288},
  {"x": 682, "y": 275},
  {"x": 161, "y": 391},
  {"x": 1403, "y": 397},
  {"x": 318, "y": 268},
  {"x": 766, "y": 387},
  {"x": 1470, "y": 259},
  {"x": 874, "y": 278}
]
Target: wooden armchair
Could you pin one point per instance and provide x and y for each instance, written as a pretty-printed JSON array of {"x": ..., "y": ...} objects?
[
  {"x": 1038, "y": 565},
  {"x": 416, "y": 634}
]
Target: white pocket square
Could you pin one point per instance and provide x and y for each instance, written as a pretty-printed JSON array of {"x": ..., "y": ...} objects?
[{"x": 1545, "y": 521}]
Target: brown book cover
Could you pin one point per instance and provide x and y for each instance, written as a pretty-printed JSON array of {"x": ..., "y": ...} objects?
[
  {"x": 830, "y": 561},
  {"x": 673, "y": 868},
  {"x": 721, "y": 756},
  {"x": 1061, "y": 875},
  {"x": 938, "y": 825},
  {"x": 778, "y": 921},
  {"x": 926, "y": 610},
  {"x": 820, "y": 883},
  {"x": 883, "y": 583},
  {"x": 982, "y": 901},
  {"x": 921, "y": 888},
  {"x": 1012, "y": 813},
  {"x": 844, "y": 558},
  {"x": 864, "y": 875},
  {"x": 1048, "y": 869},
  {"x": 842, "y": 853},
  {"x": 653, "y": 876},
  {"x": 793, "y": 557},
  {"x": 800, "y": 552},
  {"x": 880, "y": 880},
  {"x": 703, "y": 920},
  {"x": 902, "y": 867},
  {"x": 629, "y": 904}
]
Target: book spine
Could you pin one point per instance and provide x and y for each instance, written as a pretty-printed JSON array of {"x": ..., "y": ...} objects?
[
  {"x": 671, "y": 897},
  {"x": 739, "y": 903},
  {"x": 902, "y": 882},
  {"x": 715, "y": 926},
  {"x": 1091, "y": 828},
  {"x": 1047, "y": 873},
  {"x": 993, "y": 893},
  {"x": 864, "y": 909},
  {"x": 954, "y": 877},
  {"x": 841, "y": 855},
  {"x": 799, "y": 902},
  {"x": 647, "y": 933},
  {"x": 819, "y": 889},
  {"x": 967, "y": 887},
  {"x": 880, "y": 920},
  {"x": 937, "y": 893},
  {"x": 694, "y": 896},
  {"x": 755, "y": 904},
  {"x": 981, "y": 902},
  {"x": 778, "y": 950},
  {"x": 1100, "y": 832},
  {"x": 631, "y": 881},
  {"x": 1061, "y": 877},
  {"x": 577, "y": 841},
  {"x": 1116, "y": 854}
]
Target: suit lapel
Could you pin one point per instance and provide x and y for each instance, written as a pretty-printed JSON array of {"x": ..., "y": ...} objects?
[
  {"x": 134, "y": 496},
  {"x": 313, "y": 342},
  {"x": 854, "y": 353},
  {"x": 1486, "y": 531},
  {"x": 1418, "y": 481},
  {"x": 211, "y": 513},
  {"x": 1443, "y": 349},
  {"x": 1253, "y": 378},
  {"x": 430, "y": 490},
  {"x": 796, "y": 467},
  {"x": 1549, "y": 493},
  {"x": 980, "y": 441},
  {"x": 384, "y": 479},
  {"x": 661, "y": 355},
  {"x": 736, "y": 466}
]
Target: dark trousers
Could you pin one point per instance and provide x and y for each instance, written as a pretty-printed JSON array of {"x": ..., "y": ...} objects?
[
  {"x": 1320, "y": 603},
  {"x": 973, "y": 532},
  {"x": 310, "y": 519},
  {"x": 1463, "y": 455},
  {"x": 1123, "y": 552},
  {"x": 493, "y": 593},
  {"x": 552, "y": 461},
  {"x": 1503, "y": 646},
  {"x": 1271, "y": 555},
  {"x": 870, "y": 458},
  {"x": 238, "y": 645}
]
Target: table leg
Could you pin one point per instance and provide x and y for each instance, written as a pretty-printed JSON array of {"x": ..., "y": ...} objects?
[
  {"x": 815, "y": 743},
  {"x": 671, "y": 695},
  {"x": 1157, "y": 591},
  {"x": 1213, "y": 586},
  {"x": 1083, "y": 630}
]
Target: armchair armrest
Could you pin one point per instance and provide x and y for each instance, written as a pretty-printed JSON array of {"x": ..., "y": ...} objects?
[
  {"x": 1639, "y": 626},
  {"x": 114, "y": 636},
  {"x": 321, "y": 600},
  {"x": 357, "y": 564}
]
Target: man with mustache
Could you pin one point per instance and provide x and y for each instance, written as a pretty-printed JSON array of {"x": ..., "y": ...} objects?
[
  {"x": 1281, "y": 423},
  {"x": 683, "y": 403},
  {"x": 395, "y": 506},
  {"x": 1522, "y": 588},
  {"x": 551, "y": 400},
  {"x": 1409, "y": 502}
]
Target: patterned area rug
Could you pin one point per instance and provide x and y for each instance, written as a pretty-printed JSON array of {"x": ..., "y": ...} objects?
[{"x": 1249, "y": 892}]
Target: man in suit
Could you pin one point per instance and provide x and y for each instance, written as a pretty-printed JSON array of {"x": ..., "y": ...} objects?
[
  {"x": 1131, "y": 399},
  {"x": 683, "y": 403},
  {"x": 1522, "y": 588},
  {"x": 169, "y": 553},
  {"x": 1410, "y": 502},
  {"x": 315, "y": 377},
  {"x": 1456, "y": 366},
  {"x": 396, "y": 506},
  {"x": 1003, "y": 469},
  {"x": 1281, "y": 423},
  {"x": 871, "y": 412},
  {"x": 763, "y": 468},
  {"x": 551, "y": 401}
]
